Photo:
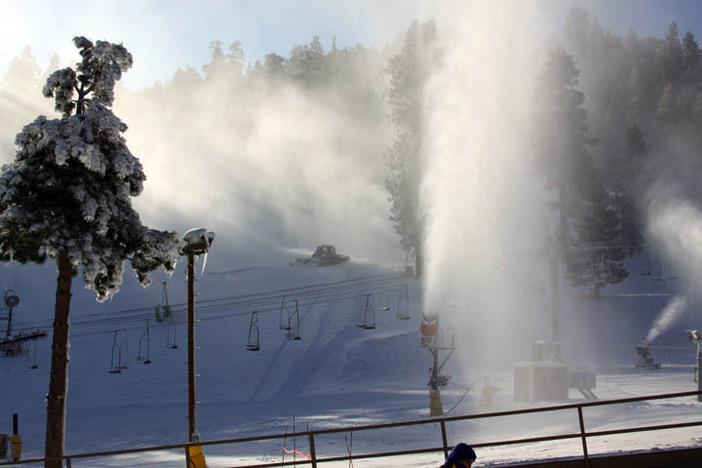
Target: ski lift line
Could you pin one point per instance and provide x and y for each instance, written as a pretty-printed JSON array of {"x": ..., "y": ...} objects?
[
  {"x": 332, "y": 286},
  {"x": 278, "y": 295},
  {"x": 145, "y": 312},
  {"x": 104, "y": 321},
  {"x": 204, "y": 311},
  {"x": 225, "y": 310},
  {"x": 228, "y": 313},
  {"x": 211, "y": 313},
  {"x": 323, "y": 296},
  {"x": 271, "y": 300}
]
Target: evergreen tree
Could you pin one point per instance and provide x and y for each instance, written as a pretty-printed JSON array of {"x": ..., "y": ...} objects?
[
  {"x": 561, "y": 137},
  {"x": 670, "y": 56},
  {"x": 307, "y": 64},
  {"x": 67, "y": 196},
  {"x": 273, "y": 67},
  {"x": 23, "y": 74},
  {"x": 20, "y": 83},
  {"x": 596, "y": 254},
  {"x": 215, "y": 69},
  {"x": 628, "y": 186},
  {"x": 587, "y": 216},
  {"x": 690, "y": 58},
  {"x": 668, "y": 110},
  {"x": 409, "y": 71}
]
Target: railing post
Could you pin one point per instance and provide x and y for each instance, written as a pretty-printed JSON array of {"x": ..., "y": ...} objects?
[
  {"x": 583, "y": 437},
  {"x": 444, "y": 440},
  {"x": 313, "y": 453},
  {"x": 68, "y": 463}
]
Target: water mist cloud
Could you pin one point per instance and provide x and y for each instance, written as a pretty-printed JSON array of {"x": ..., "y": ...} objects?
[
  {"x": 286, "y": 171},
  {"x": 677, "y": 224}
]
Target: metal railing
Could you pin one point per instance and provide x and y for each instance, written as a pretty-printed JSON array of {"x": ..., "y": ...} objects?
[{"x": 315, "y": 459}]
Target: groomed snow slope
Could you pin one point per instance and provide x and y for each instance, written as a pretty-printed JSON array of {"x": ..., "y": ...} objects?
[{"x": 336, "y": 374}]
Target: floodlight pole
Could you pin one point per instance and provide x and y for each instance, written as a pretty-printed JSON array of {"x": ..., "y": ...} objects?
[
  {"x": 191, "y": 345},
  {"x": 699, "y": 369},
  {"x": 9, "y": 322},
  {"x": 197, "y": 241}
]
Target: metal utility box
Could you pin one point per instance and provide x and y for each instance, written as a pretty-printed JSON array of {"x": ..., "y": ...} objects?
[
  {"x": 540, "y": 381},
  {"x": 547, "y": 351},
  {"x": 582, "y": 378}
]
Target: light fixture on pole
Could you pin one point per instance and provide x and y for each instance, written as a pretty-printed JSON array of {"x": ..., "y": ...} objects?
[
  {"x": 197, "y": 241},
  {"x": 11, "y": 300},
  {"x": 695, "y": 337}
]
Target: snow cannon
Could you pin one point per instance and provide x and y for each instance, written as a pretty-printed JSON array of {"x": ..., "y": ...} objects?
[
  {"x": 644, "y": 359},
  {"x": 429, "y": 329},
  {"x": 198, "y": 240}
]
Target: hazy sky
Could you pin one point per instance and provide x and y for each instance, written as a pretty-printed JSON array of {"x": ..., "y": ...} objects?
[{"x": 164, "y": 35}]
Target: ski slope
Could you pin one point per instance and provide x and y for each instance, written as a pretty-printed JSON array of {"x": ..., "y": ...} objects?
[{"x": 338, "y": 374}]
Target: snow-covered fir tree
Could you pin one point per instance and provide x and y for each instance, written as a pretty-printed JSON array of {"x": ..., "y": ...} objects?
[{"x": 67, "y": 197}]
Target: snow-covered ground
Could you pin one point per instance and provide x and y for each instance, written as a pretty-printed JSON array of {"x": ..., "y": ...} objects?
[{"x": 336, "y": 375}]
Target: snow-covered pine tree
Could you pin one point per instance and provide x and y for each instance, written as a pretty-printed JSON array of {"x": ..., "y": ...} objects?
[
  {"x": 409, "y": 71},
  {"x": 67, "y": 196}
]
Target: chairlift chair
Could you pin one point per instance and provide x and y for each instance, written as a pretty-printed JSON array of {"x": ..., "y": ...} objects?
[
  {"x": 144, "y": 343},
  {"x": 291, "y": 313},
  {"x": 116, "y": 349},
  {"x": 403, "y": 311},
  {"x": 32, "y": 356},
  {"x": 293, "y": 324},
  {"x": 254, "y": 341},
  {"x": 123, "y": 346},
  {"x": 157, "y": 313},
  {"x": 293, "y": 327},
  {"x": 368, "y": 315},
  {"x": 282, "y": 325},
  {"x": 383, "y": 298},
  {"x": 166, "y": 306},
  {"x": 171, "y": 341}
]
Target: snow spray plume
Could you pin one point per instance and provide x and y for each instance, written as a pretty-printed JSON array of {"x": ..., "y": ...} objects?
[
  {"x": 482, "y": 203},
  {"x": 678, "y": 225},
  {"x": 667, "y": 317},
  {"x": 268, "y": 161},
  {"x": 676, "y": 222}
]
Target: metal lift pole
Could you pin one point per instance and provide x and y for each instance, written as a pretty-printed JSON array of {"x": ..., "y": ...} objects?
[{"x": 555, "y": 297}]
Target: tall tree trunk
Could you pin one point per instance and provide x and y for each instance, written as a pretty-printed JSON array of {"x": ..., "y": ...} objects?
[{"x": 58, "y": 380}]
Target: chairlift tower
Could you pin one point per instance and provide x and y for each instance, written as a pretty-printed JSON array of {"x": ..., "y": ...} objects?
[
  {"x": 436, "y": 380},
  {"x": 11, "y": 345},
  {"x": 197, "y": 241}
]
